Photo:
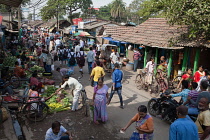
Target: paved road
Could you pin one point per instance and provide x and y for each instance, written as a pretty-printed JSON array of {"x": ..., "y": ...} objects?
[{"x": 132, "y": 97}]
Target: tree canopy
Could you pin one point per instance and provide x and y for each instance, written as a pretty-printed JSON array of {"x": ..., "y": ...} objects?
[
  {"x": 64, "y": 7},
  {"x": 117, "y": 9},
  {"x": 194, "y": 13}
]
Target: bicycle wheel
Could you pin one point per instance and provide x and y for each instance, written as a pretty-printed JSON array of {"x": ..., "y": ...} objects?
[
  {"x": 139, "y": 81},
  {"x": 155, "y": 88},
  {"x": 36, "y": 111},
  {"x": 15, "y": 82},
  {"x": 174, "y": 83}
]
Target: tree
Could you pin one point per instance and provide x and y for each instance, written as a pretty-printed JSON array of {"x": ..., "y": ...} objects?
[
  {"x": 64, "y": 7},
  {"x": 30, "y": 16},
  {"x": 194, "y": 13},
  {"x": 117, "y": 9},
  {"x": 132, "y": 10},
  {"x": 152, "y": 8},
  {"x": 104, "y": 12}
]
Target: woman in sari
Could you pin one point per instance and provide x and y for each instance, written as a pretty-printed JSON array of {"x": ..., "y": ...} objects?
[
  {"x": 188, "y": 76},
  {"x": 161, "y": 76},
  {"x": 100, "y": 97},
  {"x": 199, "y": 74},
  {"x": 144, "y": 125}
]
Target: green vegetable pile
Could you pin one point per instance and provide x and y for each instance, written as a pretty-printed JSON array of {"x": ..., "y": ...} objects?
[
  {"x": 9, "y": 61},
  {"x": 37, "y": 68},
  {"x": 56, "y": 103}
]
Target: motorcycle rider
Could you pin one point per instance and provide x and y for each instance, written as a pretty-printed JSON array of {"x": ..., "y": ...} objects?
[{"x": 183, "y": 93}]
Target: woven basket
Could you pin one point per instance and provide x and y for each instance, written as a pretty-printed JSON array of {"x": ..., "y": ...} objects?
[{"x": 3, "y": 114}]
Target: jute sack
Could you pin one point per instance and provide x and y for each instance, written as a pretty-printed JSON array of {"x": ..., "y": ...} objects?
[{"x": 3, "y": 114}]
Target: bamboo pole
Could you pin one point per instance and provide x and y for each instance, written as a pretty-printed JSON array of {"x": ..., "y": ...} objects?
[
  {"x": 145, "y": 57},
  {"x": 197, "y": 55},
  {"x": 170, "y": 63}
]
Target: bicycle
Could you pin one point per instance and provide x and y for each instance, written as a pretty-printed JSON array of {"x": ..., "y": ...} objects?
[
  {"x": 140, "y": 80},
  {"x": 35, "y": 110},
  {"x": 174, "y": 83},
  {"x": 83, "y": 97}
]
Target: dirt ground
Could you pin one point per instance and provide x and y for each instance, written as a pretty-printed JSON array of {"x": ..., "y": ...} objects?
[{"x": 75, "y": 122}]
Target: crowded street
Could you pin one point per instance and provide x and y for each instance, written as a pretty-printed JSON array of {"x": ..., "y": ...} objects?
[{"x": 104, "y": 70}]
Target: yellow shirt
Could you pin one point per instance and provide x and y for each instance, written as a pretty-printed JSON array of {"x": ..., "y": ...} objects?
[
  {"x": 203, "y": 119},
  {"x": 97, "y": 72}
]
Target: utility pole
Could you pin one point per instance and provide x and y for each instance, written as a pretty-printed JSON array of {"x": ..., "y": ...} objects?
[
  {"x": 19, "y": 18},
  {"x": 34, "y": 13}
]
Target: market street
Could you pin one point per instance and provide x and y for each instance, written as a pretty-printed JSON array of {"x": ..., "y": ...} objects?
[{"x": 117, "y": 117}]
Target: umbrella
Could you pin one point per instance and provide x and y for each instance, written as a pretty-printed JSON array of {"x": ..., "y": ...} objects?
[
  {"x": 76, "y": 34},
  {"x": 81, "y": 34},
  {"x": 84, "y": 34}
]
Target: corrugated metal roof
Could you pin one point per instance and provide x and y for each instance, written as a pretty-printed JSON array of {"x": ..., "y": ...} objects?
[
  {"x": 93, "y": 25},
  {"x": 13, "y": 3}
]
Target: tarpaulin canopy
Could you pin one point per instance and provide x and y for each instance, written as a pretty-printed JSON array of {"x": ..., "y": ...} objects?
[
  {"x": 13, "y": 3},
  {"x": 115, "y": 41}
]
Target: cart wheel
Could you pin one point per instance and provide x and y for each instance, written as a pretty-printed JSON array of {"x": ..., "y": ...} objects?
[
  {"x": 36, "y": 111},
  {"x": 139, "y": 82},
  {"x": 15, "y": 82}
]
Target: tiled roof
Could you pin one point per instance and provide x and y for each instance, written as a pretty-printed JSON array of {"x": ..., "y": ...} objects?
[
  {"x": 155, "y": 32},
  {"x": 116, "y": 31}
]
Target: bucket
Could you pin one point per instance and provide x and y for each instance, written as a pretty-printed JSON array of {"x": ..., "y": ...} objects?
[{"x": 129, "y": 66}]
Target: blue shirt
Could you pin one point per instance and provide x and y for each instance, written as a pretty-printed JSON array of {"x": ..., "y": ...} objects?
[
  {"x": 51, "y": 136},
  {"x": 183, "y": 94},
  {"x": 183, "y": 129},
  {"x": 117, "y": 76}
]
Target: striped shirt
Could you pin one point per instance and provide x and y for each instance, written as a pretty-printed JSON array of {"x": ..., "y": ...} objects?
[{"x": 194, "y": 95}]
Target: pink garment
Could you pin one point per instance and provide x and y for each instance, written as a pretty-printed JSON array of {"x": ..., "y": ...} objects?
[{"x": 34, "y": 81}]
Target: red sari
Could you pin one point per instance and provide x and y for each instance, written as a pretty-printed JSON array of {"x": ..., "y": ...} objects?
[{"x": 198, "y": 76}]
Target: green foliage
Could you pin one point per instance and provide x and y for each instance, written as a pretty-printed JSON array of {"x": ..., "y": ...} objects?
[
  {"x": 104, "y": 12},
  {"x": 152, "y": 8},
  {"x": 117, "y": 9},
  {"x": 64, "y": 7},
  {"x": 194, "y": 13},
  {"x": 9, "y": 61}
]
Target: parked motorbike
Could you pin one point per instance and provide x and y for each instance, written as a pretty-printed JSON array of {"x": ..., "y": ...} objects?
[{"x": 164, "y": 106}]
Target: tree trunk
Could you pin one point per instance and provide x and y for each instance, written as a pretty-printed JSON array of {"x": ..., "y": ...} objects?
[{"x": 71, "y": 18}]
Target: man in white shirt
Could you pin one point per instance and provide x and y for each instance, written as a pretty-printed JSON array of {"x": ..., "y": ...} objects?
[
  {"x": 90, "y": 59},
  {"x": 77, "y": 48},
  {"x": 76, "y": 86},
  {"x": 150, "y": 70},
  {"x": 81, "y": 43},
  {"x": 56, "y": 132},
  {"x": 47, "y": 41},
  {"x": 114, "y": 58},
  {"x": 58, "y": 42}
]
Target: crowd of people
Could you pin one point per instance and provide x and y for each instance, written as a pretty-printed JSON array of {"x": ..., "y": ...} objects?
[{"x": 49, "y": 48}]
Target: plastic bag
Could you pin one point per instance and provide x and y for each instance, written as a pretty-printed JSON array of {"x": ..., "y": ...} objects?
[{"x": 52, "y": 67}]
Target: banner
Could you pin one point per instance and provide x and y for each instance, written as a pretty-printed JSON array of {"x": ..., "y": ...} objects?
[
  {"x": 77, "y": 20},
  {"x": 1, "y": 17}
]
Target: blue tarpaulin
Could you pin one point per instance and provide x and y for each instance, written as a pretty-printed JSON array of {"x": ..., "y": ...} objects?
[{"x": 115, "y": 41}]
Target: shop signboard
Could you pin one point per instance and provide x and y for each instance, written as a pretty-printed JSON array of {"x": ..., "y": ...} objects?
[
  {"x": 1, "y": 18},
  {"x": 77, "y": 20}
]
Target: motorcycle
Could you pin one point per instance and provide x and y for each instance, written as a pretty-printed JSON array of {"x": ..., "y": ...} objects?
[{"x": 164, "y": 106}]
